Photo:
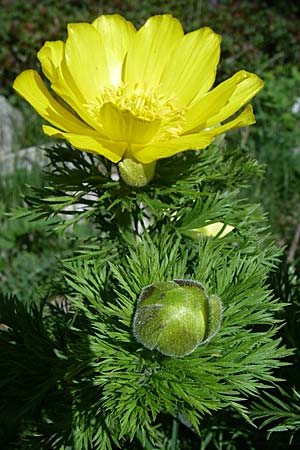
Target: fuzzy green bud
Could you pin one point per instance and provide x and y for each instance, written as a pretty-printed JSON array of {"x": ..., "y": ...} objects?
[{"x": 175, "y": 317}]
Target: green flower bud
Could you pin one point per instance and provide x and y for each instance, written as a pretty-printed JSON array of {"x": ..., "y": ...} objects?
[{"x": 175, "y": 317}]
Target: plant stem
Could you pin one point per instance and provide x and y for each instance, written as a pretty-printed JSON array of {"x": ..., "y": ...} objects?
[{"x": 174, "y": 435}]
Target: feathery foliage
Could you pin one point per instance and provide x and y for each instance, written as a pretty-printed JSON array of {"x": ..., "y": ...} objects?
[{"x": 72, "y": 374}]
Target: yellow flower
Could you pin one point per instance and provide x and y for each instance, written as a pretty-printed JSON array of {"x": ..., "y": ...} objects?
[{"x": 136, "y": 96}]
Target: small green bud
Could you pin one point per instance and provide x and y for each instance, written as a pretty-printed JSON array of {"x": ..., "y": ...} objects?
[{"x": 175, "y": 317}]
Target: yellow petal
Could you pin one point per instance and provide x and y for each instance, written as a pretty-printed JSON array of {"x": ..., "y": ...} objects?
[
  {"x": 30, "y": 86},
  {"x": 124, "y": 126},
  {"x": 65, "y": 87},
  {"x": 117, "y": 35},
  {"x": 192, "y": 70},
  {"x": 91, "y": 144},
  {"x": 160, "y": 150},
  {"x": 244, "y": 92},
  {"x": 113, "y": 122},
  {"x": 210, "y": 104},
  {"x": 151, "y": 50},
  {"x": 86, "y": 59},
  {"x": 50, "y": 57},
  {"x": 244, "y": 119},
  {"x": 214, "y": 229}
]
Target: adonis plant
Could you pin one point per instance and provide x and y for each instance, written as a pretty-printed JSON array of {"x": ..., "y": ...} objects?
[{"x": 163, "y": 314}]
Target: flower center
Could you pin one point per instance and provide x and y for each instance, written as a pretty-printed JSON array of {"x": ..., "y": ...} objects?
[{"x": 136, "y": 115}]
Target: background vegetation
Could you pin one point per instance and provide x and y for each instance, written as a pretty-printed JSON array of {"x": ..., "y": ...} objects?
[{"x": 259, "y": 36}]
